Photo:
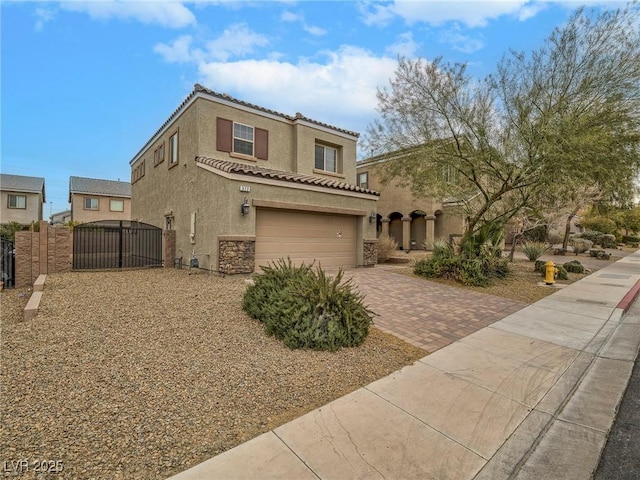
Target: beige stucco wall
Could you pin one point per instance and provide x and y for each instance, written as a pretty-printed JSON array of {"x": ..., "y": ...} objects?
[
  {"x": 188, "y": 189},
  {"x": 80, "y": 214},
  {"x": 397, "y": 199},
  {"x": 32, "y": 212}
]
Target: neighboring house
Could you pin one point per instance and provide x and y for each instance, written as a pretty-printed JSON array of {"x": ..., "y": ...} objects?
[
  {"x": 22, "y": 199},
  {"x": 60, "y": 218},
  {"x": 94, "y": 199},
  {"x": 413, "y": 222},
  {"x": 242, "y": 185}
]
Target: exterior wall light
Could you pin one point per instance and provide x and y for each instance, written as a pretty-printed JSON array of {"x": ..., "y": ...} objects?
[
  {"x": 372, "y": 217},
  {"x": 244, "y": 208}
]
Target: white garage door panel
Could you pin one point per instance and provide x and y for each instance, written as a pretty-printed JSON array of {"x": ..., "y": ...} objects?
[{"x": 305, "y": 236}]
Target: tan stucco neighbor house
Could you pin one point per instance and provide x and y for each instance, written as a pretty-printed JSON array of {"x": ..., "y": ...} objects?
[
  {"x": 242, "y": 186},
  {"x": 413, "y": 222},
  {"x": 22, "y": 198},
  {"x": 95, "y": 199}
]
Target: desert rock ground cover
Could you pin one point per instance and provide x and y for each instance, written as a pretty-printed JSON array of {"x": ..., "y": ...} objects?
[{"x": 142, "y": 374}]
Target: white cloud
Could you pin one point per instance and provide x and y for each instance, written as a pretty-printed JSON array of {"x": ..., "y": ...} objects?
[
  {"x": 179, "y": 51},
  {"x": 236, "y": 40},
  {"x": 459, "y": 41},
  {"x": 473, "y": 13},
  {"x": 340, "y": 90},
  {"x": 405, "y": 46},
  {"x": 166, "y": 14},
  {"x": 298, "y": 18},
  {"x": 43, "y": 15}
]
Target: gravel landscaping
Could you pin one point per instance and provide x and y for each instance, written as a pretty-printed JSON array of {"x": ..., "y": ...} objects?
[{"x": 143, "y": 374}]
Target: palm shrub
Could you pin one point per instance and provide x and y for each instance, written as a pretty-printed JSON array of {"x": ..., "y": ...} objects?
[
  {"x": 475, "y": 265},
  {"x": 306, "y": 308},
  {"x": 534, "y": 250}
]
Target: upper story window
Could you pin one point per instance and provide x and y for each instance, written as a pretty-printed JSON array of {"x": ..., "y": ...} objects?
[
  {"x": 242, "y": 140},
  {"x": 17, "y": 201},
  {"x": 138, "y": 172},
  {"x": 327, "y": 158},
  {"x": 91, "y": 203},
  {"x": 173, "y": 150},
  {"x": 116, "y": 205},
  {"x": 449, "y": 174},
  {"x": 363, "y": 180},
  {"x": 158, "y": 155}
]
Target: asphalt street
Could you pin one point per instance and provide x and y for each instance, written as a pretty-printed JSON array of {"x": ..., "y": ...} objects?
[{"x": 621, "y": 456}]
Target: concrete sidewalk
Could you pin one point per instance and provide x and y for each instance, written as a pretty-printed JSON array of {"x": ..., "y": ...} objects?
[{"x": 531, "y": 396}]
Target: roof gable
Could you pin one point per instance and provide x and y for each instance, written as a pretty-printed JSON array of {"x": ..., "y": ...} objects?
[
  {"x": 95, "y": 186},
  {"x": 21, "y": 183}
]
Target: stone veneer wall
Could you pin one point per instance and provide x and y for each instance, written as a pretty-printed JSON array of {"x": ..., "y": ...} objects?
[
  {"x": 370, "y": 252},
  {"x": 236, "y": 254}
]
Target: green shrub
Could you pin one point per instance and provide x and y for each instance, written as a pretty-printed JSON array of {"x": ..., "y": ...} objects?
[
  {"x": 536, "y": 234},
  {"x": 630, "y": 239},
  {"x": 386, "y": 247},
  {"x": 574, "y": 266},
  {"x": 533, "y": 250},
  {"x": 581, "y": 245},
  {"x": 599, "y": 223},
  {"x": 608, "y": 241},
  {"x": 593, "y": 236},
  {"x": 476, "y": 271},
  {"x": 562, "y": 273},
  {"x": 306, "y": 308},
  {"x": 539, "y": 266}
]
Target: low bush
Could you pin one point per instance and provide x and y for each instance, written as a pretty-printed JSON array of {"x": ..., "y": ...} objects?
[
  {"x": 608, "y": 240},
  {"x": 305, "y": 308},
  {"x": 386, "y": 247},
  {"x": 476, "y": 271},
  {"x": 539, "y": 266},
  {"x": 593, "y": 236},
  {"x": 562, "y": 273},
  {"x": 533, "y": 250},
  {"x": 581, "y": 245},
  {"x": 574, "y": 266},
  {"x": 630, "y": 239}
]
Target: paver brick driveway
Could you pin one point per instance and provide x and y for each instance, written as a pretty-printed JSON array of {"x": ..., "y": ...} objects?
[{"x": 427, "y": 314}]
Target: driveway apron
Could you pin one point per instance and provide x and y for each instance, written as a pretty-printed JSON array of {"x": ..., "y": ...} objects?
[{"x": 427, "y": 314}]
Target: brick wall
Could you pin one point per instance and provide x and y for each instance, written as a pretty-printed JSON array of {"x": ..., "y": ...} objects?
[
  {"x": 48, "y": 251},
  {"x": 168, "y": 247}
]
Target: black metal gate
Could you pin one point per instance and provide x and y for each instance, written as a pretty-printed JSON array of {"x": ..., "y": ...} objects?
[
  {"x": 7, "y": 262},
  {"x": 116, "y": 244}
]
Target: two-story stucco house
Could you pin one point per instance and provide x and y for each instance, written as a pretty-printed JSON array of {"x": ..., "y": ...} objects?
[
  {"x": 413, "y": 222},
  {"x": 22, "y": 198},
  {"x": 242, "y": 185},
  {"x": 95, "y": 199}
]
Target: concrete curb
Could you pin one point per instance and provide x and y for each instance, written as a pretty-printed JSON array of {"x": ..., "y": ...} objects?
[{"x": 31, "y": 310}]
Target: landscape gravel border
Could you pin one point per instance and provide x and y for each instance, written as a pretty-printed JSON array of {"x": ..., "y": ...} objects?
[{"x": 145, "y": 373}]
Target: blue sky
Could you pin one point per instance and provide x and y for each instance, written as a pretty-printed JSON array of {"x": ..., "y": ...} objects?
[{"x": 84, "y": 84}]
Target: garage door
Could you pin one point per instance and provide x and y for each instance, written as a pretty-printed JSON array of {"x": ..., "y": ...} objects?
[{"x": 304, "y": 237}]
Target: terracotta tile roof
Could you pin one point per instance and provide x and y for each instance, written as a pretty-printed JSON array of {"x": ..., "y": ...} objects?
[
  {"x": 252, "y": 170},
  {"x": 112, "y": 188}
]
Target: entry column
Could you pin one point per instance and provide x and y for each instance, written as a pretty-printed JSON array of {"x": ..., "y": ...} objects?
[
  {"x": 406, "y": 233},
  {"x": 430, "y": 231},
  {"x": 385, "y": 226}
]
